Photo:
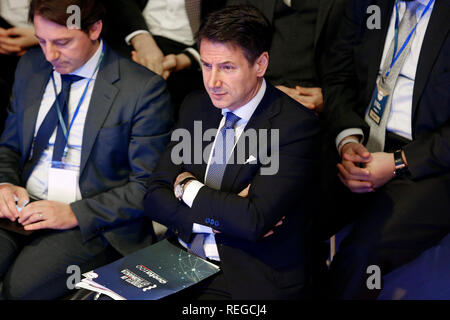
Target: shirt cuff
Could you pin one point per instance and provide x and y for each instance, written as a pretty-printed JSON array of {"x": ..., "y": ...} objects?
[
  {"x": 198, "y": 228},
  {"x": 134, "y": 34},
  {"x": 288, "y": 3},
  {"x": 349, "y": 132},
  {"x": 190, "y": 192},
  {"x": 195, "y": 54}
]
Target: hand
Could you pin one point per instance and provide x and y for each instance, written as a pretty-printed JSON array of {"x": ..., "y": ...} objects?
[
  {"x": 147, "y": 53},
  {"x": 47, "y": 214},
  {"x": 357, "y": 179},
  {"x": 279, "y": 223},
  {"x": 311, "y": 98},
  {"x": 244, "y": 193},
  {"x": 8, "y": 195},
  {"x": 381, "y": 167},
  {"x": 175, "y": 63},
  {"x": 181, "y": 177},
  {"x": 17, "y": 40}
]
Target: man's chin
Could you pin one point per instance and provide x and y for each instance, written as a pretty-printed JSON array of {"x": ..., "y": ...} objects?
[
  {"x": 63, "y": 69},
  {"x": 219, "y": 101}
]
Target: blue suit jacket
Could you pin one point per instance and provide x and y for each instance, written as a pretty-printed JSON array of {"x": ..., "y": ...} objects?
[{"x": 126, "y": 129}]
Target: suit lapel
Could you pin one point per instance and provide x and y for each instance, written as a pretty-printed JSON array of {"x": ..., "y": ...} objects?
[
  {"x": 259, "y": 120},
  {"x": 102, "y": 98},
  {"x": 39, "y": 80},
  {"x": 435, "y": 35}
]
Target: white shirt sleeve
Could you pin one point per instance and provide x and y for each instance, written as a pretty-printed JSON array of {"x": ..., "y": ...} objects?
[
  {"x": 349, "y": 132},
  {"x": 190, "y": 192},
  {"x": 134, "y": 34}
]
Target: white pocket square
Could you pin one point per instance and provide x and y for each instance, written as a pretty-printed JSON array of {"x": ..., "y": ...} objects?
[{"x": 250, "y": 159}]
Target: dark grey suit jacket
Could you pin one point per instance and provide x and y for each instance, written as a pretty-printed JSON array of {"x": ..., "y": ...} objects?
[{"x": 126, "y": 129}]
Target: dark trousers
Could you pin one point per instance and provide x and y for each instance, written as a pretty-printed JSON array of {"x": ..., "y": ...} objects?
[
  {"x": 395, "y": 225},
  {"x": 35, "y": 266}
]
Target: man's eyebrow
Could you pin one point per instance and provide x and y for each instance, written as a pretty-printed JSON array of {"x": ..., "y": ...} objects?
[
  {"x": 54, "y": 40},
  {"x": 220, "y": 64}
]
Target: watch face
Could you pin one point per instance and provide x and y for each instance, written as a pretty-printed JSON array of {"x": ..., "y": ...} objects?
[{"x": 178, "y": 191}]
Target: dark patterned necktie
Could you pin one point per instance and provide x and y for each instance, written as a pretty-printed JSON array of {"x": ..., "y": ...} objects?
[{"x": 48, "y": 126}]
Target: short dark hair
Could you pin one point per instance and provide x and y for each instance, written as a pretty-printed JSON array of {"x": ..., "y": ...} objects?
[
  {"x": 242, "y": 25},
  {"x": 56, "y": 11}
]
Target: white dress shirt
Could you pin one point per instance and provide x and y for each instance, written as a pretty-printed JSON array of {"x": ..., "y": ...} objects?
[
  {"x": 15, "y": 12},
  {"x": 399, "y": 120},
  {"x": 168, "y": 19},
  {"x": 37, "y": 184},
  {"x": 245, "y": 113}
]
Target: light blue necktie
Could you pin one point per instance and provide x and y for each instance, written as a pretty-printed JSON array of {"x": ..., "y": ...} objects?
[
  {"x": 222, "y": 150},
  {"x": 221, "y": 153}
]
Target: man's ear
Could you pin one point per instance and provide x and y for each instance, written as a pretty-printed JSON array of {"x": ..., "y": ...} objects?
[
  {"x": 95, "y": 30},
  {"x": 261, "y": 64}
]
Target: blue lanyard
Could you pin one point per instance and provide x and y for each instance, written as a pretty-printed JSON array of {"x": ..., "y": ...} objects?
[
  {"x": 58, "y": 107},
  {"x": 396, "y": 55}
]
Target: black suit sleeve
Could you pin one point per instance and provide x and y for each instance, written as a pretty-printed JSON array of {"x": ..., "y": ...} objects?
[
  {"x": 10, "y": 149},
  {"x": 342, "y": 84},
  {"x": 127, "y": 16}
]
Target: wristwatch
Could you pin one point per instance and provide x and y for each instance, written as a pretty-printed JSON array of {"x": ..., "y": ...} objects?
[
  {"x": 401, "y": 168},
  {"x": 179, "y": 188}
]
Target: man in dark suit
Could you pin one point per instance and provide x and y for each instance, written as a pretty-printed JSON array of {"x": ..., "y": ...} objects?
[
  {"x": 160, "y": 36},
  {"x": 246, "y": 208},
  {"x": 303, "y": 30},
  {"x": 395, "y": 162},
  {"x": 86, "y": 186}
]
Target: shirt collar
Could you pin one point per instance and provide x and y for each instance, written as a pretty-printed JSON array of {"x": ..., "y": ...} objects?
[
  {"x": 422, "y": 2},
  {"x": 246, "y": 111}
]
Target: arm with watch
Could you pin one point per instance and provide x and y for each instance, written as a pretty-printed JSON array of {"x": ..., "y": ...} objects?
[{"x": 362, "y": 171}]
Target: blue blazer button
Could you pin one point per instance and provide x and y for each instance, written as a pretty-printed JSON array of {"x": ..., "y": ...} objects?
[
  {"x": 212, "y": 221},
  {"x": 217, "y": 223},
  {"x": 207, "y": 220}
]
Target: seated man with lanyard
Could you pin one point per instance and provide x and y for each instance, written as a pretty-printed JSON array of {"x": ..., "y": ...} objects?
[{"x": 84, "y": 132}]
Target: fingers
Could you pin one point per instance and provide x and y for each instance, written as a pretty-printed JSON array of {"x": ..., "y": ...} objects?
[
  {"x": 37, "y": 226},
  {"x": 307, "y": 101},
  {"x": 308, "y": 91},
  {"x": 34, "y": 208},
  {"x": 244, "y": 193},
  {"x": 5, "y": 46},
  {"x": 351, "y": 172},
  {"x": 356, "y": 152},
  {"x": 357, "y": 186},
  {"x": 34, "y": 218},
  {"x": 166, "y": 74},
  {"x": 22, "y": 197},
  {"x": 169, "y": 62},
  {"x": 279, "y": 223},
  {"x": 8, "y": 208}
]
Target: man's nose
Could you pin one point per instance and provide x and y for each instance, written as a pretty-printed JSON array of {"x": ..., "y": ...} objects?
[
  {"x": 214, "y": 79},
  {"x": 51, "y": 52}
]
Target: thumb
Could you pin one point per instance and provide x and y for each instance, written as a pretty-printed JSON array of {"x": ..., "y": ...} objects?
[{"x": 22, "y": 196}]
